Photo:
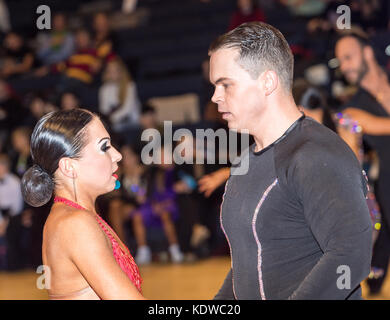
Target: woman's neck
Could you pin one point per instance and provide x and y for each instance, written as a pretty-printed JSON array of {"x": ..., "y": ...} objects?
[{"x": 85, "y": 201}]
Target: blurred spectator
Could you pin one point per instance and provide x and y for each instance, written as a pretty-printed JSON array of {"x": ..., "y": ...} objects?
[
  {"x": 5, "y": 25},
  {"x": 81, "y": 67},
  {"x": 306, "y": 8},
  {"x": 124, "y": 200},
  {"x": 246, "y": 11},
  {"x": 118, "y": 98},
  {"x": 157, "y": 208},
  {"x": 11, "y": 204},
  {"x": 147, "y": 120},
  {"x": 21, "y": 157},
  {"x": 128, "y": 6},
  {"x": 103, "y": 39},
  {"x": 57, "y": 44},
  {"x": 17, "y": 58},
  {"x": 10, "y": 110},
  {"x": 369, "y": 14},
  {"x": 312, "y": 102},
  {"x": 191, "y": 229},
  {"x": 370, "y": 107},
  {"x": 38, "y": 106},
  {"x": 69, "y": 100}
]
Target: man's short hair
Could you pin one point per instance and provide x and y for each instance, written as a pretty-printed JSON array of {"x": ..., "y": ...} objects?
[
  {"x": 360, "y": 36},
  {"x": 261, "y": 47}
]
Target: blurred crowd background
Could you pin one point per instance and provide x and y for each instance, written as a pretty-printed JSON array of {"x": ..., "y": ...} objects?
[{"x": 137, "y": 63}]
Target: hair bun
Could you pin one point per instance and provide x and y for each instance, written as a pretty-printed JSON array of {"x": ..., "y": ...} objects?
[{"x": 37, "y": 186}]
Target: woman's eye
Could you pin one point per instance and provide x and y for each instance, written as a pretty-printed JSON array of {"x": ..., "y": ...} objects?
[{"x": 105, "y": 147}]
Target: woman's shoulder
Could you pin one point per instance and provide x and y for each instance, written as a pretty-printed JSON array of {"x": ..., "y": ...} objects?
[{"x": 68, "y": 222}]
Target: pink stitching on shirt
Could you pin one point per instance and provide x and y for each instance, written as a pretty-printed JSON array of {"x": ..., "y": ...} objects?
[
  {"x": 259, "y": 260},
  {"x": 227, "y": 238}
]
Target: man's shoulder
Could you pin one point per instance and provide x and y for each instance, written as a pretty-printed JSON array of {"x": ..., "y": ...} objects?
[
  {"x": 310, "y": 136},
  {"x": 360, "y": 100},
  {"x": 312, "y": 144}
]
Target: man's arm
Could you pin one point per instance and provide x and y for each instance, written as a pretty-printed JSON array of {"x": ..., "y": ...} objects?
[
  {"x": 332, "y": 190},
  {"x": 226, "y": 291},
  {"x": 371, "y": 124}
]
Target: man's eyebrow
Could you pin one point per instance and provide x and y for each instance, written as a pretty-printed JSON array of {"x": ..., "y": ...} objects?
[
  {"x": 221, "y": 80},
  {"x": 104, "y": 139}
]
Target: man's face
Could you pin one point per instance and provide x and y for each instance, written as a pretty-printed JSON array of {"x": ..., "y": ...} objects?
[
  {"x": 352, "y": 63},
  {"x": 238, "y": 95},
  {"x": 3, "y": 169},
  {"x": 82, "y": 40}
]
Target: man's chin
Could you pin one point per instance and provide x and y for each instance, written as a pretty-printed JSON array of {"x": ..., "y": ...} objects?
[
  {"x": 232, "y": 126},
  {"x": 352, "y": 80},
  {"x": 235, "y": 128}
]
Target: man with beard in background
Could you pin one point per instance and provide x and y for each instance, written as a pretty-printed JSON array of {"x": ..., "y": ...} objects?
[{"x": 370, "y": 107}]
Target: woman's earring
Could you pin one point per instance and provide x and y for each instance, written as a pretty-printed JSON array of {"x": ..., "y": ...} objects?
[{"x": 74, "y": 188}]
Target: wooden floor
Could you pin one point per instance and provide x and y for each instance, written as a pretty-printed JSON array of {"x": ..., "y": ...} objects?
[{"x": 196, "y": 281}]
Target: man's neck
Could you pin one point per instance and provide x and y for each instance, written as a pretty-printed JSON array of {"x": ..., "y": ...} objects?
[{"x": 275, "y": 124}]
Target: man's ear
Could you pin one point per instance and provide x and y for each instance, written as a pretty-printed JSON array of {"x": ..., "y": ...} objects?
[
  {"x": 269, "y": 81},
  {"x": 67, "y": 167}
]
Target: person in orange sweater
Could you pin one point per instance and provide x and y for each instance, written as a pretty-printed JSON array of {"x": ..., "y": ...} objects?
[{"x": 80, "y": 68}]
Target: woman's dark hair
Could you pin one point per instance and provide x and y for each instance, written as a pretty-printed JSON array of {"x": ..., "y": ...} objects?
[{"x": 57, "y": 134}]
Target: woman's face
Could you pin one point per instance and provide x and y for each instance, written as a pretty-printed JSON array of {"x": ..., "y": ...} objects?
[
  {"x": 101, "y": 23},
  {"x": 20, "y": 141},
  {"x": 113, "y": 72},
  {"x": 37, "y": 107},
  {"x": 99, "y": 160},
  {"x": 69, "y": 101}
]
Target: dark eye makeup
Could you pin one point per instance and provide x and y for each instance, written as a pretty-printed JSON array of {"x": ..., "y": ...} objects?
[{"x": 105, "y": 147}]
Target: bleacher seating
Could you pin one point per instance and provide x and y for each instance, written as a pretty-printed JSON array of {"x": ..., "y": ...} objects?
[{"x": 164, "y": 56}]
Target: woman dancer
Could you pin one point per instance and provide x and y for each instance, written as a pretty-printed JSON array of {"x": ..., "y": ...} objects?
[{"x": 74, "y": 159}]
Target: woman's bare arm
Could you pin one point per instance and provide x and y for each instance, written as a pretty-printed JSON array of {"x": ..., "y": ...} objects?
[
  {"x": 352, "y": 139},
  {"x": 89, "y": 250}
]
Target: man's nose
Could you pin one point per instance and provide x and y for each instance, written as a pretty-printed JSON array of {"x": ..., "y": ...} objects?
[
  {"x": 343, "y": 66},
  {"x": 216, "y": 96}
]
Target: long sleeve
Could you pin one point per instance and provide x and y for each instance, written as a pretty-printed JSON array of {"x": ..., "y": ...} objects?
[
  {"x": 106, "y": 98},
  {"x": 226, "y": 291},
  {"x": 332, "y": 191},
  {"x": 63, "y": 53},
  {"x": 130, "y": 107}
]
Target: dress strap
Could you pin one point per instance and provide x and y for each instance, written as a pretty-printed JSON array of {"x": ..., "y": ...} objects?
[{"x": 104, "y": 227}]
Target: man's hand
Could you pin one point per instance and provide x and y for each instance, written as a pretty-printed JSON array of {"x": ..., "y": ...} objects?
[{"x": 210, "y": 182}]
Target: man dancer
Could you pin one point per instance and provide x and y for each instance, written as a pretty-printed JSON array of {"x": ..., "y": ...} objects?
[
  {"x": 297, "y": 223},
  {"x": 370, "y": 107}
]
